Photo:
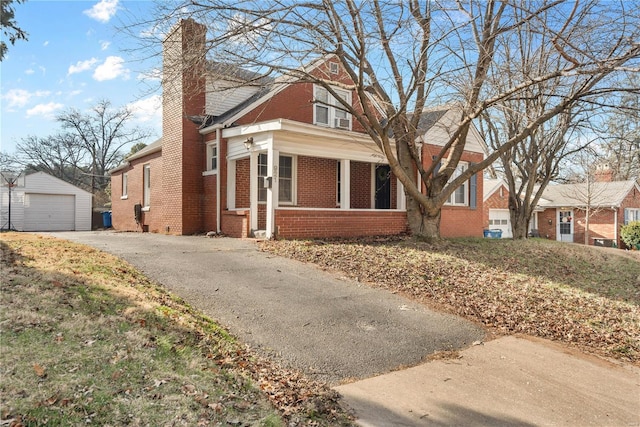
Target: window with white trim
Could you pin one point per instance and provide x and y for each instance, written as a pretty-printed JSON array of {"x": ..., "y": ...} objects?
[
  {"x": 146, "y": 186},
  {"x": 460, "y": 197},
  {"x": 262, "y": 174},
  {"x": 630, "y": 215},
  {"x": 212, "y": 157},
  {"x": 125, "y": 186},
  {"x": 329, "y": 111},
  {"x": 286, "y": 179}
]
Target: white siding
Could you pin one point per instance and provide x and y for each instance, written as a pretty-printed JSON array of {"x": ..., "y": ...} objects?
[
  {"x": 43, "y": 184},
  {"x": 440, "y": 133},
  {"x": 17, "y": 209},
  {"x": 223, "y": 95}
]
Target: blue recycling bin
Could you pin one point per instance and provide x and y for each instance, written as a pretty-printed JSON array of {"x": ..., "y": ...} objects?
[
  {"x": 106, "y": 219},
  {"x": 493, "y": 234}
]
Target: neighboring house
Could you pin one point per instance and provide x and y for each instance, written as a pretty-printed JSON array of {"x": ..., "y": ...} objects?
[
  {"x": 496, "y": 214},
  {"x": 561, "y": 212},
  {"x": 45, "y": 203},
  {"x": 273, "y": 158}
]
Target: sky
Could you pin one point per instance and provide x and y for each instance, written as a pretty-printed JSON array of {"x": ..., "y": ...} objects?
[{"x": 75, "y": 57}]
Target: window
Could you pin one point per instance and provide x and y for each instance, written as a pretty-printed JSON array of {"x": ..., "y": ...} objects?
[
  {"x": 338, "y": 184},
  {"x": 146, "y": 186},
  {"x": 334, "y": 67},
  {"x": 285, "y": 179},
  {"x": 460, "y": 196},
  {"x": 125, "y": 190},
  {"x": 630, "y": 215},
  {"x": 329, "y": 111},
  {"x": 212, "y": 157},
  {"x": 262, "y": 174}
]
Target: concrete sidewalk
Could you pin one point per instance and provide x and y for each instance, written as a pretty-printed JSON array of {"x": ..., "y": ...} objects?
[{"x": 505, "y": 382}]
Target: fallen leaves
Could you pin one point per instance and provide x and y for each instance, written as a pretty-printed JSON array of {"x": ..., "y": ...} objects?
[{"x": 514, "y": 287}]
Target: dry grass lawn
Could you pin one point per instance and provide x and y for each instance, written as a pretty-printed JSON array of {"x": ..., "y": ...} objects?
[{"x": 87, "y": 340}]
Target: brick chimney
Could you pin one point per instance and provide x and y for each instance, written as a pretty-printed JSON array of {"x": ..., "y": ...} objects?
[
  {"x": 603, "y": 173},
  {"x": 183, "y": 87}
]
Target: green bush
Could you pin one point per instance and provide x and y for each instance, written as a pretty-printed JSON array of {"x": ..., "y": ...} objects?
[{"x": 630, "y": 234}]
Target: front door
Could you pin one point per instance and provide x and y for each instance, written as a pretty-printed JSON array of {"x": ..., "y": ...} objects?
[
  {"x": 565, "y": 225},
  {"x": 383, "y": 187}
]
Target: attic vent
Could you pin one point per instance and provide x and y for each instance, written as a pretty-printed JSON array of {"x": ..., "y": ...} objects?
[
  {"x": 334, "y": 67},
  {"x": 342, "y": 123}
]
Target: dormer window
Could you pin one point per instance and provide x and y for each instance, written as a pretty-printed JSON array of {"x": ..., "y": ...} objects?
[
  {"x": 329, "y": 111},
  {"x": 334, "y": 67}
]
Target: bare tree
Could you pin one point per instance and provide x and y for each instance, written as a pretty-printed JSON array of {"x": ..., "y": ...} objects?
[
  {"x": 60, "y": 155},
  {"x": 409, "y": 55},
  {"x": 102, "y": 133},
  {"x": 621, "y": 136}
]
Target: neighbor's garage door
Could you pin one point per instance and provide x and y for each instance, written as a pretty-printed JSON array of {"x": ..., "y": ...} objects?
[
  {"x": 49, "y": 212},
  {"x": 499, "y": 220}
]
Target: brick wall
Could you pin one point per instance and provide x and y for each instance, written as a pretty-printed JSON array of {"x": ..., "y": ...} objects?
[
  {"x": 209, "y": 203},
  {"x": 360, "y": 185},
  {"x": 235, "y": 223},
  {"x": 338, "y": 223},
  {"x": 122, "y": 217},
  {"x": 460, "y": 221},
  {"x": 317, "y": 182},
  {"x": 547, "y": 224},
  {"x": 243, "y": 199},
  {"x": 632, "y": 200},
  {"x": 182, "y": 147}
]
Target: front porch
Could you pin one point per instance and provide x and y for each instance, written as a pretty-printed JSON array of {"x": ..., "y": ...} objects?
[{"x": 297, "y": 180}]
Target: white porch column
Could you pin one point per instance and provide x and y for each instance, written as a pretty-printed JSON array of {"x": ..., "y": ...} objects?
[
  {"x": 273, "y": 160},
  {"x": 231, "y": 184},
  {"x": 253, "y": 189},
  {"x": 345, "y": 184},
  {"x": 401, "y": 198}
]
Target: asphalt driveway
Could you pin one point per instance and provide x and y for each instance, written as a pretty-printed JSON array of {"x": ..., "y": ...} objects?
[{"x": 331, "y": 328}]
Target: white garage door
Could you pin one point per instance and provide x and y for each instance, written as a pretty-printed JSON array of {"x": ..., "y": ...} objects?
[
  {"x": 499, "y": 220},
  {"x": 49, "y": 212}
]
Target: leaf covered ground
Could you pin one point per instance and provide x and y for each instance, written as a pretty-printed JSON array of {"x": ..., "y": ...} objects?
[
  {"x": 583, "y": 296},
  {"x": 87, "y": 340}
]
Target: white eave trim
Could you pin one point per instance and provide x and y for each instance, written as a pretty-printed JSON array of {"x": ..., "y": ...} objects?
[{"x": 286, "y": 125}]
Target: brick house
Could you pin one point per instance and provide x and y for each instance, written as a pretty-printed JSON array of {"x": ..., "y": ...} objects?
[
  {"x": 561, "y": 213},
  {"x": 263, "y": 158}
]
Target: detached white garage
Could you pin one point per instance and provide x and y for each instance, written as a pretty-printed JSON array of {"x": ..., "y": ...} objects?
[
  {"x": 500, "y": 219},
  {"x": 45, "y": 203}
]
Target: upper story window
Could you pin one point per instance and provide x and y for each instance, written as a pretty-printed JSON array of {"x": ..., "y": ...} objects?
[
  {"x": 125, "y": 186},
  {"x": 212, "y": 157},
  {"x": 329, "y": 111},
  {"x": 334, "y": 67},
  {"x": 460, "y": 197}
]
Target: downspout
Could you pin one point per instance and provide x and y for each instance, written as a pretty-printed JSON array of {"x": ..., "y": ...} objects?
[
  {"x": 218, "y": 179},
  {"x": 615, "y": 226}
]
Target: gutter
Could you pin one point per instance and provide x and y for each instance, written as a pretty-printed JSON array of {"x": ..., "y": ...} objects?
[{"x": 218, "y": 179}]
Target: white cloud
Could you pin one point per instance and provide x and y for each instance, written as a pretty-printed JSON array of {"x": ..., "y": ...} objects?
[
  {"x": 112, "y": 68},
  {"x": 105, "y": 45},
  {"x": 46, "y": 43},
  {"x": 82, "y": 66},
  {"x": 148, "y": 109},
  {"x": 29, "y": 71},
  {"x": 45, "y": 110},
  {"x": 152, "y": 75},
  {"x": 103, "y": 11},
  {"x": 18, "y": 98}
]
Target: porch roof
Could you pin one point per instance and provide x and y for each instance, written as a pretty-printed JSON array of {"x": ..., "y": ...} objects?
[{"x": 294, "y": 137}]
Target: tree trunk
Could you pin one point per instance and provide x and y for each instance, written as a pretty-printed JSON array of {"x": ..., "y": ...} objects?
[
  {"x": 422, "y": 225},
  {"x": 519, "y": 221}
]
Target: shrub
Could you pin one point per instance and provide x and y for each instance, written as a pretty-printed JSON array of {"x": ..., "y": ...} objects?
[{"x": 630, "y": 234}]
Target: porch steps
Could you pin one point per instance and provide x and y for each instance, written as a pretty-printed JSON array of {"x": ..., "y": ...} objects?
[{"x": 260, "y": 234}]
